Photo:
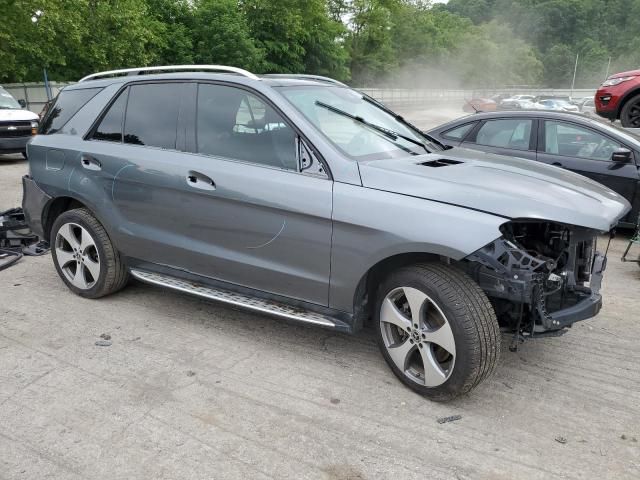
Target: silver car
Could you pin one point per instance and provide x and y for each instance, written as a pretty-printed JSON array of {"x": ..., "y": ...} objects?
[{"x": 299, "y": 197}]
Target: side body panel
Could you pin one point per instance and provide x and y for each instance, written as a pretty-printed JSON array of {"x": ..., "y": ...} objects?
[{"x": 372, "y": 225}]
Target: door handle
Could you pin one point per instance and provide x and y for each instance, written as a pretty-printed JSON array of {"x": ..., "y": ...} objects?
[
  {"x": 198, "y": 180},
  {"x": 90, "y": 163}
]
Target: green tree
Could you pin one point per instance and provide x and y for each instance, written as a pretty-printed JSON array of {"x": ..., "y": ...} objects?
[
  {"x": 297, "y": 36},
  {"x": 222, "y": 36},
  {"x": 370, "y": 41},
  {"x": 174, "y": 31}
]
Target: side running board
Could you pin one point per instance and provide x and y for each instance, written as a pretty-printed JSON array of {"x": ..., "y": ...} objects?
[{"x": 237, "y": 299}]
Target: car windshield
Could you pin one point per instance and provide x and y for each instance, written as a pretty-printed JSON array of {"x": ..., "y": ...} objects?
[
  {"x": 355, "y": 124},
  {"x": 7, "y": 101}
]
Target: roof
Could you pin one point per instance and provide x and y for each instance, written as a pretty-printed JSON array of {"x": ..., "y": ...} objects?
[{"x": 575, "y": 117}]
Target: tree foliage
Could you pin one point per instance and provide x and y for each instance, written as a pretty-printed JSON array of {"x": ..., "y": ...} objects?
[{"x": 465, "y": 43}]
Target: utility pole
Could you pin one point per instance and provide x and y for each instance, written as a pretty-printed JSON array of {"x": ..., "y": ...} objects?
[
  {"x": 575, "y": 70},
  {"x": 608, "y": 67},
  {"x": 47, "y": 88}
]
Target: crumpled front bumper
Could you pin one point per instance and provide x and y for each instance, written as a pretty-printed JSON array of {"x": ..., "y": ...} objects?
[{"x": 588, "y": 307}]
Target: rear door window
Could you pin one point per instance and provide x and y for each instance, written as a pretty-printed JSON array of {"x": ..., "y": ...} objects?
[
  {"x": 110, "y": 127},
  {"x": 68, "y": 103},
  {"x": 152, "y": 114},
  {"x": 506, "y": 133}
]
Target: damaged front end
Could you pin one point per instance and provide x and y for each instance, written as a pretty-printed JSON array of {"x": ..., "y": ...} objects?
[{"x": 541, "y": 277}]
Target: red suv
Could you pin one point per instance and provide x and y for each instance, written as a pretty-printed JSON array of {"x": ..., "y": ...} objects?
[{"x": 619, "y": 98}]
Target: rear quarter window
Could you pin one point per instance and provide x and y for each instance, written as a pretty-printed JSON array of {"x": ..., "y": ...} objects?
[
  {"x": 68, "y": 103},
  {"x": 458, "y": 133}
]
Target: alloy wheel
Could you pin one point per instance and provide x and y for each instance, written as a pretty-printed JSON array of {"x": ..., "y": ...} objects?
[
  {"x": 417, "y": 336},
  {"x": 633, "y": 115},
  {"x": 77, "y": 256}
]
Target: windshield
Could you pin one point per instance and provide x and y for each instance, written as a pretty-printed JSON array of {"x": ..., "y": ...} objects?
[
  {"x": 7, "y": 101},
  {"x": 325, "y": 107}
]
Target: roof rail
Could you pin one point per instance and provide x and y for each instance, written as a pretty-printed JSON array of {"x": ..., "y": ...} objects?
[
  {"x": 195, "y": 68},
  {"x": 305, "y": 77}
]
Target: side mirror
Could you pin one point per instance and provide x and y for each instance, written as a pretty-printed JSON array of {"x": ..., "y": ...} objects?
[
  {"x": 22, "y": 103},
  {"x": 621, "y": 155}
]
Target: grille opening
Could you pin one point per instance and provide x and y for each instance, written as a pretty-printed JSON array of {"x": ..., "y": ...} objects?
[{"x": 442, "y": 162}]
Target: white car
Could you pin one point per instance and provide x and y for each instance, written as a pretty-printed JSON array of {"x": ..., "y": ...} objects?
[
  {"x": 559, "y": 105},
  {"x": 17, "y": 125}
]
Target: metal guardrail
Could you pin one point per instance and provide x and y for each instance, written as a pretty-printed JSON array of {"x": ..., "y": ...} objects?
[
  {"x": 35, "y": 94},
  {"x": 398, "y": 97}
]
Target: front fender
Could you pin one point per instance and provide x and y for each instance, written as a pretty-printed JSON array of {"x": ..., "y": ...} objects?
[{"x": 372, "y": 225}]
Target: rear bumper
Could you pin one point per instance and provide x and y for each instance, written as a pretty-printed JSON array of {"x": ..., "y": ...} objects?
[
  {"x": 14, "y": 144},
  {"x": 34, "y": 202}
]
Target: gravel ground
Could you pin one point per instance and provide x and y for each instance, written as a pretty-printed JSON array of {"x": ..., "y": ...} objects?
[{"x": 190, "y": 389}]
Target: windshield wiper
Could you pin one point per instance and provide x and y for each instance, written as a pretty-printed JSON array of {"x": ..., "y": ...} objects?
[
  {"x": 403, "y": 120},
  {"x": 385, "y": 131}
]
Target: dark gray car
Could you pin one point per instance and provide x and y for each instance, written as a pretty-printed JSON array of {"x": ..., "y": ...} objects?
[
  {"x": 587, "y": 146},
  {"x": 302, "y": 198}
]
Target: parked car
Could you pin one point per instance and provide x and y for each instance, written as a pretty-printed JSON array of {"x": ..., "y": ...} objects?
[
  {"x": 515, "y": 102},
  {"x": 558, "y": 105},
  {"x": 17, "y": 125},
  {"x": 592, "y": 148},
  {"x": 619, "y": 98},
  {"x": 588, "y": 107},
  {"x": 304, "y": 199},
  {"x": 529, "y": 105},
  {"x": 479, "y": 105}
]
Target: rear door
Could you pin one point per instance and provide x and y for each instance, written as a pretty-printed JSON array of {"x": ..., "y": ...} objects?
[
  {"x": 514, "y": 137},
  {"x": 587, "y": 152}
]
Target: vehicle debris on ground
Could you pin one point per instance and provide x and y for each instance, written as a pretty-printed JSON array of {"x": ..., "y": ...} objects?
[{"x": 17, "y": 239}]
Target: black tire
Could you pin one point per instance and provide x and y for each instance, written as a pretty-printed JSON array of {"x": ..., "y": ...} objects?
[
  {"x": 113, "y": 274},
  {"x": 630, "y": 113},
  {"x": 472, "y": 322}
]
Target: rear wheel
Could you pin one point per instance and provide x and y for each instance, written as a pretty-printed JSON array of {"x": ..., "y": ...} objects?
[
  {"x": 630, "y": 114},
  {"x": 436, "y": 330},
  {"x": 84, "y": 256}
]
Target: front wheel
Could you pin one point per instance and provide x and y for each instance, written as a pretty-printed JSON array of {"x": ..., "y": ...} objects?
[
  {"x": 436, "y": 330},
  {"x": 630, "y": 114}
]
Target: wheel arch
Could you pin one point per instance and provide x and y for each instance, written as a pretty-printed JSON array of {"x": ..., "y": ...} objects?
[
  {"x": 58, "y": 205},
  {"x": 623, "y": 101},
  {"x": 364, "y": 295}
]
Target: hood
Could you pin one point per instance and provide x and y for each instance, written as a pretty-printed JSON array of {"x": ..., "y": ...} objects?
[
  {"x": 630, "y": 73},
  {"x": 16, "y": 115},
  {"x": 504, "y": 186}
]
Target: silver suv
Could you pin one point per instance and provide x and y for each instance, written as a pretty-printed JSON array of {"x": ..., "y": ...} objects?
[{"x": 299, "y": 197}]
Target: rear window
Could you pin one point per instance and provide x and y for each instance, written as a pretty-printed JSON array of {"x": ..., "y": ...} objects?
[{"x": 68, "y": 103}]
